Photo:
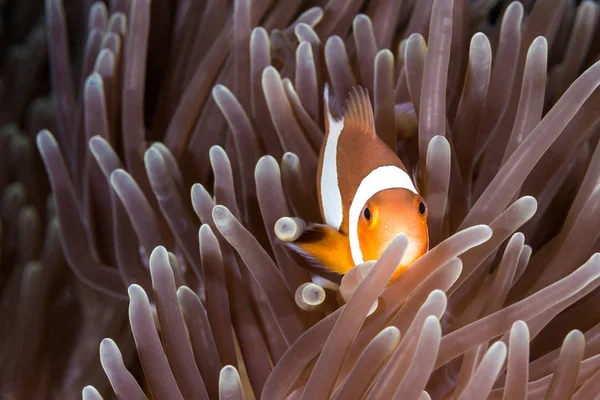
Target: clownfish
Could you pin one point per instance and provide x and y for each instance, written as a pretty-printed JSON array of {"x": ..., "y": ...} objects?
[{"x": 366, "y": 196}]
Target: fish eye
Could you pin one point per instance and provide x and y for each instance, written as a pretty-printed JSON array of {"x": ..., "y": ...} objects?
[
  {"x": 367, "y": 213},
  {"x": 422, "y": 208}
]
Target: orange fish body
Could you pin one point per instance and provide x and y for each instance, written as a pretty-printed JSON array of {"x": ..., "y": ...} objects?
[{"x": 366, "y": 196}]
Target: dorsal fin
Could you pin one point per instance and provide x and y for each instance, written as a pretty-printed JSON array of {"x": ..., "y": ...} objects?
[{"x": 359, "y": 113}]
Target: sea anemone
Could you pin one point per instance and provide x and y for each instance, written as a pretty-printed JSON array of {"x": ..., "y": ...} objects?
[{"x": 177, "y": 149}]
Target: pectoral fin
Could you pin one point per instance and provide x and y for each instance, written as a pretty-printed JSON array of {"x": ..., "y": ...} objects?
[{"x": 324, "y": 248}]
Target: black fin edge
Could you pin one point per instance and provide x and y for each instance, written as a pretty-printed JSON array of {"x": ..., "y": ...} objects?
[{"x": 305, "y": 260}]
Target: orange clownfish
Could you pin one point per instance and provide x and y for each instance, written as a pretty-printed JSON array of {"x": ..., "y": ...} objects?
[{"x": 366, "y": 196}]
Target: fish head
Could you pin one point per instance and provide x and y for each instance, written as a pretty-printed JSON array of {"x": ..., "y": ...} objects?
[{"x": 388, "y": 213}]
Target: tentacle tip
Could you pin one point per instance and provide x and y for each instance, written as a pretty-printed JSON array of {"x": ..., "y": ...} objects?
[
  {"x": 196, "y": 187},
  {"x": 117, "y": 176},
  {"x": 267, "y": 158},
  {"x": 205, "y": 229},
  {"x": 437, "y": 294},
  {"x": 228, "y": 369},
  {"x": 519, "y": 324},
  {"x": 361, "y": 19},
  {"x": 390, "y": 330},
  {"x": 439, "y": 140},
  {"x": 333, "y": 40},
  {"x": 498, "y": 347},
  {"x": 44, "y": 138},
  {"x": 399, "y": 238},
  {"x": 228, "y": 375},
  {"x": 516, "y": 6},
  {"x": 373, "y": 307},
  {"x": 159, "y": 146},
  {"x": 290, "y": 158},
  {"x": 530, "y": 201},
  {"x": 479, "y": 36},
  {"x": 540, "y": 41},
  {"x": 216, "y": 151},
  {"x": 90, "y": 392},
  {"x": 183, "y": 292},
  {"x": 431, "y": 317},
  {"x": 483, "y": 230},
  {"x": 288, "y": 229},
  {"x": 270, "y": 73},
  {"x": 197, "y": 193},
  {"x": 575, "y": 333},
  {"x": 96, "y": 140},
  {"x": 258, "y": 30},
  {"x": 106, "y": 342},
  {"x": 309, "y": 296},
  {"x": 94, "y": 79},
  {"x": 220, "y": 214},
  {"x": 264, "y": 164},
  {"x": 134, "y": 289},
  {"x": 152, "y": 156},
  {"x": 219, "y": 90},
  {"x": 158, "y": 254},
  {"x": 384, "y": 55}
]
